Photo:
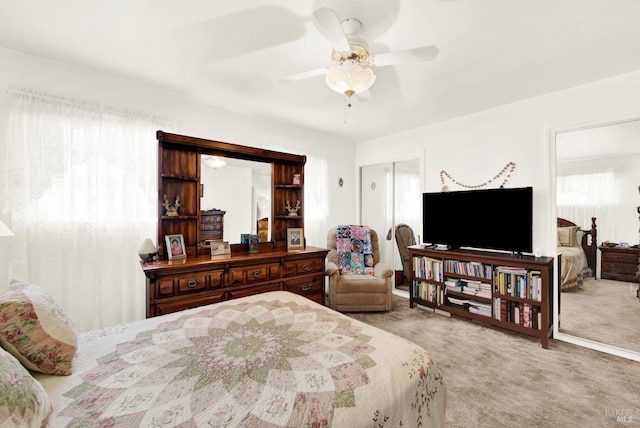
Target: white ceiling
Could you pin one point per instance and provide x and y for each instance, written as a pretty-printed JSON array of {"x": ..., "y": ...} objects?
[{"x": 230, "y": 54}]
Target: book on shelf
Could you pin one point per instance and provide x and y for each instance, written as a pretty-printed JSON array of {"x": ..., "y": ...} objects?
[
  {"x": 458, "y": 301},
  {"x": 480, "y": 308}
]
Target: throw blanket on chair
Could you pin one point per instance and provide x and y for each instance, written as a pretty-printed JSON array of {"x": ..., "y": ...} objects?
[{"x": 355, "y": 252}]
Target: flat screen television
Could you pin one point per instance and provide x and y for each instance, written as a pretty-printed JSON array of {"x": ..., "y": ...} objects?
[{"x": 493, "y": 219}]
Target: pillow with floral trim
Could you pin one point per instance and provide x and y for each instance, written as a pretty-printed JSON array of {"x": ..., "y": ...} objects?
[
  {"x": 568, "y": 236},
  {"x": 35, "y": 330},
  {"x": 23, "y": 400}
]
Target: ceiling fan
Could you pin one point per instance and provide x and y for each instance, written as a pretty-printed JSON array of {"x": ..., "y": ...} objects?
[{"x": 352, "y": 72}]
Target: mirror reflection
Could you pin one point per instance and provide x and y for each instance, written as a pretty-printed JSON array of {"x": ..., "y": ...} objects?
[
  {"x": 242, "y": 190},
  {"x": 598, "y": 176}
]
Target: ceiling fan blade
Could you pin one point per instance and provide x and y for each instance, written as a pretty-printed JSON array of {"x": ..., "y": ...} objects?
[
  {"x": 329, "y": 26},
  {"x": 303, "y": 75},
  {"x": 425, "y": 53}
]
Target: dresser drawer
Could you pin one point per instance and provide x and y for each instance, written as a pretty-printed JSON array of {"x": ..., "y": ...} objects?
[
  {"x": 211, "y": 226},
  {"x": 250, "y": 291},
  {"x": 255, "y": 273},
  {"x": 620, "y": 268},
  {"x": 308, "y": 285},
  {"x": 627, "y": 257},
  {"x": 182, "y": 304},
  {"x": 303, "y": 266},
  {"x": 188, "y": 283}
]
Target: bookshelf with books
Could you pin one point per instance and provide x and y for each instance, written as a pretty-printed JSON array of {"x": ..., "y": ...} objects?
[{"x": 495, "y": 288}]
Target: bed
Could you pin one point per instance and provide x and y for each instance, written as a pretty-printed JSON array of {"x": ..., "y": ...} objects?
[
  {"x": 271, "y": 360},
  {"x": 578, "y": 248}
]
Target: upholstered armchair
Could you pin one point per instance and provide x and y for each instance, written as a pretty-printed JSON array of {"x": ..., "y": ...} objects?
[{"x": 358, "y": 293}]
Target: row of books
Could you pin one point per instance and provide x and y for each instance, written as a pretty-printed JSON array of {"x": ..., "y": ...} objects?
[
  {"x": 471, "y": 305},
  {"x": 427, "y": 268},
  {"x": 433, "y": 293},
  {"x": 521, "y": 313},
  {"x": 472, "y": 288},
  {"x": 468, "y": 268},
  {"x": 518, "y": 282}
]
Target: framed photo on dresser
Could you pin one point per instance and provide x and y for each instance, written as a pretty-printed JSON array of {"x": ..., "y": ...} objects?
[
  {"x": 295, "y": 238},
  {"x": 175, "y": 246}
]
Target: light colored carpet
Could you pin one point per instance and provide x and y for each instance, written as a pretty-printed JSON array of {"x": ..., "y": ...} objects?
[
  {"x": 605, "y": 311},
  {"x": 498, "y": 378}
]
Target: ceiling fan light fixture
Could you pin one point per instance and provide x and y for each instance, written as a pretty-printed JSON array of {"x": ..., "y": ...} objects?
[{"x": 350, "y": 79}]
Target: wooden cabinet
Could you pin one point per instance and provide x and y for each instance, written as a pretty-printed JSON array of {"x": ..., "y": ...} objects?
[
  {"x": 199, "y": 280},
  {"x": 496, "y": 289},
  {"x": 212, "y": 225},
  {"x": 619, "y": 263}
]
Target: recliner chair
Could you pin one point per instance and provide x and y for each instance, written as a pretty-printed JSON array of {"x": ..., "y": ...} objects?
[
  {"x": 358, "y": 293},
  {"x": 404, "y": 238}
]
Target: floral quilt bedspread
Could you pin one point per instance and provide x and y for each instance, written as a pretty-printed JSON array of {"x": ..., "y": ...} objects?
[{"x": 270, "y": 360}]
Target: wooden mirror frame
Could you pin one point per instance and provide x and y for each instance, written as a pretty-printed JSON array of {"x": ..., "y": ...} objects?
[{"x": 179, "y": 174}]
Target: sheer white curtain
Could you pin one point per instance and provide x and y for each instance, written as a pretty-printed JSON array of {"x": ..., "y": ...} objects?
[
  {"x": 316, "y": 200},
  {"x": 585, "y": 195},
  {"x": 82, "y": 194}
]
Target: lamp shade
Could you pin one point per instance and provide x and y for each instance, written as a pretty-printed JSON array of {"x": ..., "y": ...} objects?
[
  {"x": 147, "y": 249},
  {"x": 350, "y": 79},
  {"x": 4, "y": 230}
]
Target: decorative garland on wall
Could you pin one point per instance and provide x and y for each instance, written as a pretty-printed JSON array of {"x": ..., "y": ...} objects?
[{"x": 511, "y": 166}]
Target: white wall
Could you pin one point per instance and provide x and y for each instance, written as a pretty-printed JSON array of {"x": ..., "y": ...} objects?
[
  {"x": 194, "y": 119},
  {"x": 475, "y": 148}
]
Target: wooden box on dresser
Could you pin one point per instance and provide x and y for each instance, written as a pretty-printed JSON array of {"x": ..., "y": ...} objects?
[
  {"x": 496, "y": 289},
  {"x": 200, "y": 280}
]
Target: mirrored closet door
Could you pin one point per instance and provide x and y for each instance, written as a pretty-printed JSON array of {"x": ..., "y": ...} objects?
[
  {"x": 597, "y": 175},
  {"x": 390, "y": 195}
]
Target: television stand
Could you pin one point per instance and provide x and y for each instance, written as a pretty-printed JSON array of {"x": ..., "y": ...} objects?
[{"x": 493, "y": 288}]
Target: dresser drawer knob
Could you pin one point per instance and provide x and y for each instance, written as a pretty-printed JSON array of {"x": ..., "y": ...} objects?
[
  {"x": 257, "y": 273},
  {"x": 305, "y": 287},
  {"x": 191, "y": 283},
  {"x": 305, "y": 266}
]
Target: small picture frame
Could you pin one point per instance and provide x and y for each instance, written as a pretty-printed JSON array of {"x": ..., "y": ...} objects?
[
  {"x": 296, "y": 179},
  {"x": 295, "y": 238},
  {"x": 220, "y": 248},
  {"x": 254, "y": 245},
  {"x": 175, "y": 246}
]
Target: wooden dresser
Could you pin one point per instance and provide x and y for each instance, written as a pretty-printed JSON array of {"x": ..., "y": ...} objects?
[
  {"x": 200, "y": 280},
  {"x": 619, "y": 263}
]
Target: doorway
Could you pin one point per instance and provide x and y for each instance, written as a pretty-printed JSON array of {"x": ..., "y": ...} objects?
[{"x": 390, "y": 195}]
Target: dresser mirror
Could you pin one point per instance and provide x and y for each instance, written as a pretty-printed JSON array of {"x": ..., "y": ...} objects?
[
  {"x": 241, "y": 188},
  {"x": 602, "y": 311}
]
